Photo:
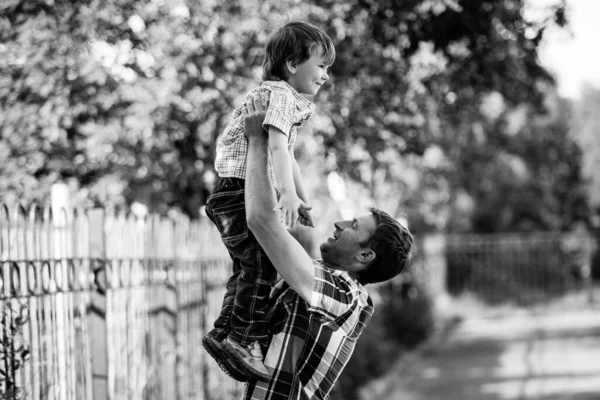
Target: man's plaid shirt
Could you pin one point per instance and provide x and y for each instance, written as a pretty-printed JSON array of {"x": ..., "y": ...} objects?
[
  {"x": 312, "y": 343},
  {"x": 287, "y": 110}
]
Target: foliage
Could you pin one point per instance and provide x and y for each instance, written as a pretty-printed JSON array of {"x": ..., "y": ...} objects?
[
  {"x": 523, "y": 176},
  {"x": 124, "y": 101},
  {"x": 408, "y": 311},
  {"x": 14, "y": 352}
]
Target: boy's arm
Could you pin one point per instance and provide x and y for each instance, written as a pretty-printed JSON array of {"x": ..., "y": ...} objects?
[
  {"x": 298, "y": 181},
  {"x": 289, "y": 258},
  {"x": 282, "y": 164},
  {"x": 306, "y": 215}
]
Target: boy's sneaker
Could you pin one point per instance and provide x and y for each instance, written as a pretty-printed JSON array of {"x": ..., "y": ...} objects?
[
  {"x": 216, "y": 351},
  {"x": 250, "y": 357}
]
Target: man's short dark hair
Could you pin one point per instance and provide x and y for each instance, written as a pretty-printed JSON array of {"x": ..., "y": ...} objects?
[
  {"x": 294, "y": 41},
  {"x": 392, "y": 244}
]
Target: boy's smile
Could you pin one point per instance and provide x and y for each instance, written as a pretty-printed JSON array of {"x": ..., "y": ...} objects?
[{"x": 308, "y": 76}]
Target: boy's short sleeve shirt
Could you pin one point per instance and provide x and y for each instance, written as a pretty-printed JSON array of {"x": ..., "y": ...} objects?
[
  {"x": 287, "y": 110},
  {"x": 312, "y": 343}
]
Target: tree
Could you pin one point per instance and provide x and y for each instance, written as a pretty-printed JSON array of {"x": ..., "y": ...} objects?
[{"x": 125, "y": 99}]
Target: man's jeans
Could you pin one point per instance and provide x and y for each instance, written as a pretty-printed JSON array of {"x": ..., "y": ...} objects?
[{"x": 244, "y": 311}]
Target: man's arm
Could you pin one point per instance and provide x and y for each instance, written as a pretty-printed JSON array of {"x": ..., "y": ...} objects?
[{"x": 287, "y": 255}]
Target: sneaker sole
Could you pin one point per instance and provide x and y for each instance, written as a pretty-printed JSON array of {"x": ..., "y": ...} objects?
[
  {"x": 218, "y": 354},
  {"x": 232, "y": 352}
]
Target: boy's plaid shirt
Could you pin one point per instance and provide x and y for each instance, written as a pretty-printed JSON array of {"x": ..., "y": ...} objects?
[
  {"x": 312, "y": 343},
  {"x": 287, "y": 110}
]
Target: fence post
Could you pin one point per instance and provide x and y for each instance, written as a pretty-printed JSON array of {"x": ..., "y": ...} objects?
[
  {"x": 96, "y": 317},
  {"x": 434, "y": 260}
]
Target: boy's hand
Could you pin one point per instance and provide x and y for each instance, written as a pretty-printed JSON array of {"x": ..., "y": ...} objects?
[
  {"x": 306, "y": 217},
  {"x": 288, "y": 206}
]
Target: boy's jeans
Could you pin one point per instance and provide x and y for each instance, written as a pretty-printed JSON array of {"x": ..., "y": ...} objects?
[{"x": 244, "y": 310}]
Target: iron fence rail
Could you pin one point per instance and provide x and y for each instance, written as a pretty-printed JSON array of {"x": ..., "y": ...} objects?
[
  {"x": 107, "y": 305},
  {"x": 524, "y": 270}
]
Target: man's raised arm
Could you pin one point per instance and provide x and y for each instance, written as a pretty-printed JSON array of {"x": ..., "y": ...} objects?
[{"x": 289, "y": 258}]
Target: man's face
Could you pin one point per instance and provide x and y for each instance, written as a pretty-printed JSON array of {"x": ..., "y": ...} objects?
[{"x": 341, "y": 249}]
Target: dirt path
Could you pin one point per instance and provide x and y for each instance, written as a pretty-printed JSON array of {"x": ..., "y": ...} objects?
[{"x": 525, "y": 357}]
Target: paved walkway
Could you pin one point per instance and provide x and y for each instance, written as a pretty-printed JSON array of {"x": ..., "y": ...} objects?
[{"x": 522, "y": 357}]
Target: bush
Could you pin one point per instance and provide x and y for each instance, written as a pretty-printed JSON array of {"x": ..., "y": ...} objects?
[
  {"x": 14, "y": 352},
  {"x": 407, "y": 312},
  {"x": 403, "y": 319}
]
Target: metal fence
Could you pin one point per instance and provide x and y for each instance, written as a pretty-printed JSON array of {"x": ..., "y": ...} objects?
[
  {"x": 106, "y": 305},
  {"x": 539, "y": 271}
]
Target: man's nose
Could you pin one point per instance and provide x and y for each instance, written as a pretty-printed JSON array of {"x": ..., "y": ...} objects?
[{"x": 341, "y": 224}]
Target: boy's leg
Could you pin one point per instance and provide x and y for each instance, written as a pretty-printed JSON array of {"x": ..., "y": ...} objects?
[
  {"x": 255, "y": 280},
  {"x": 248, "y": 339},
  {"x": 225, "y": 208},
  {"x": 246, "y": 319},
  {"x": 221, "y": 326}
]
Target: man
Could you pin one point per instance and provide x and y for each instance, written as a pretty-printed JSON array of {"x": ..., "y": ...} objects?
[{"x": 321, "y": 307}]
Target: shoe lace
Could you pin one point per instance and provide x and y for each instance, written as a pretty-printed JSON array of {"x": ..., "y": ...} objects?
[{"x": 255, "y": 351}]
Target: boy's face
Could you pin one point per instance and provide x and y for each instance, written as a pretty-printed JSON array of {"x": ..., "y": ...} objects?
[{"x": 308, "y": 76}]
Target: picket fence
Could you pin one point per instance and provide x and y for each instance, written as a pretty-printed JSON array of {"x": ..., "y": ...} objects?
[{"x": 100, "y": 304}]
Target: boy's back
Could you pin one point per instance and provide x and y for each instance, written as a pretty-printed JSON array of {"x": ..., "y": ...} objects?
[{"x": 287, "y": 109}]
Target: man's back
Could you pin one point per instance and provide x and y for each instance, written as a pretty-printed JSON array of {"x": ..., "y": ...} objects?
[{"x": 312, "y": 343}]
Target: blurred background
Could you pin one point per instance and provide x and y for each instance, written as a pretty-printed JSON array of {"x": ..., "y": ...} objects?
[{"x": 474, "y": 122}]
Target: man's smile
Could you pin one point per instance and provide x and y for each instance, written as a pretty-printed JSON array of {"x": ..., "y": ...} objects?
[{"x": 335, "y": 235}]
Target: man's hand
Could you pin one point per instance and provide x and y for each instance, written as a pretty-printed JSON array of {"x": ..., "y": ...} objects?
[{"x": 254, "y": 115}]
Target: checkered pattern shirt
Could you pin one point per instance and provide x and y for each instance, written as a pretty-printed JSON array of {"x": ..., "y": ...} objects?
[
  {"x": 287, "y": 110},
  {"x": 312, "y": 343}
]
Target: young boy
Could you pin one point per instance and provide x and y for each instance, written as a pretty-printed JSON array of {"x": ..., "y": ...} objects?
[{"x": 297, "y": 58}]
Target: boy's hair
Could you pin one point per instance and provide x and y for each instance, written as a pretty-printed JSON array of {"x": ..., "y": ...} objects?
[
  {"x": 294, "y": 41},
  {"x": 392, "y": 244}
]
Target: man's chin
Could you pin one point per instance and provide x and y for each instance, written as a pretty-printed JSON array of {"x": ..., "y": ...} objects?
[{"x": 324, "y": 247}]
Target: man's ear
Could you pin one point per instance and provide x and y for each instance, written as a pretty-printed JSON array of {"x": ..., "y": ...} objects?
[
  {"x": 365, "y": 256},
  {"x": 291, "y": 66}
]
